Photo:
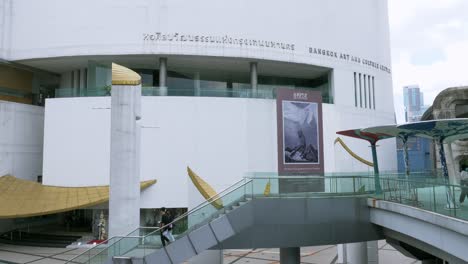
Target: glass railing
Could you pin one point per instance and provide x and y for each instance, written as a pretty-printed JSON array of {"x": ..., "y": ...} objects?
[
  {"x": 195, "y": 218},
  {"x": 83, "y": 92},
  {"x": 425, "y": 193},
  {"x": 173, "y": 91},
  {"x": 147, "y": 239},
  {"x": 421, "y": 190}
]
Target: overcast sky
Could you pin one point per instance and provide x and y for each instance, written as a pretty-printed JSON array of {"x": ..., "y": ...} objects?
[{"x": 429, "y": 40}]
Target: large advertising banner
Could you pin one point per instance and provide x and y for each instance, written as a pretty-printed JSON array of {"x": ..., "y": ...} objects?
[{"x": 300, "y": 138}]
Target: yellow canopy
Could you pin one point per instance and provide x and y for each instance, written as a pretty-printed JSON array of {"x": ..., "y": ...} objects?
[{"x": 22, "y": 198}]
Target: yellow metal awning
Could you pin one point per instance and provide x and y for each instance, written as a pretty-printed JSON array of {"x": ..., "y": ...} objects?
[
  {"x": 22, "y": 198},
  {"x": 205, "y": 189}
]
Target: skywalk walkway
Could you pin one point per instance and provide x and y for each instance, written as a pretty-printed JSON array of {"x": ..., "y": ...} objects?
[{"x": 256, "y": 213}]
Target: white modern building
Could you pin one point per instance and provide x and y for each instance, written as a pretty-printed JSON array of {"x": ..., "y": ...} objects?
[{"x": 209, "y": 72}]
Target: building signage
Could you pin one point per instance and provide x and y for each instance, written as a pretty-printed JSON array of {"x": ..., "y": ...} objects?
[
  {"x": 348, "y": 58},
  {"x": 241, "y": 42},
  {"x": 161, "y": 37}
]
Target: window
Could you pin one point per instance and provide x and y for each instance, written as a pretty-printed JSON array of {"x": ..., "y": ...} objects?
[
  {"x": 369, "y": 88},
  {"x": 365, "y": 91},
  {"x": 355, "y": 91},
  {"x": 360, "y": 91},
  {"x": 373, "y": 91}
]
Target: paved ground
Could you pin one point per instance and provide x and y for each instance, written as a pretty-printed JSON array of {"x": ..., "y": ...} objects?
[
  {"x": 36, "y": 255},
  {"x": 309, "y": 255}
]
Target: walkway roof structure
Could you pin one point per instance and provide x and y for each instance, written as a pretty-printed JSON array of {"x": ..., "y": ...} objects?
[
  {"x": 23, "y": 198},
  {"x": 372, "y": 137},
  {"x": 447, "y": 130}
]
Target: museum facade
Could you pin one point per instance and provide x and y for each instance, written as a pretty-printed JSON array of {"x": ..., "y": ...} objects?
[{"x": 210, "y": 74}]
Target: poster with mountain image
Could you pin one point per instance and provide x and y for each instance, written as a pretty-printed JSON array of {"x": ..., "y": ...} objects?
[{"x": 300, "y": 132}]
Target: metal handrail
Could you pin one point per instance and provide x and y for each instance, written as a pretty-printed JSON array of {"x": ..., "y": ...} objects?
[
  {"x": 217, "y": 196},
  {"x": 307, "y": 177}
]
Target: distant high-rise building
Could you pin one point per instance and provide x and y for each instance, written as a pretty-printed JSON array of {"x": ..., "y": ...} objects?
[
  {"x": 414, "y": 103},
  {"x": 418, "y": 148}
]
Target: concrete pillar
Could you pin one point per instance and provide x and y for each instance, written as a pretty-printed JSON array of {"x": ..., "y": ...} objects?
[
  {"x": 356, "y": 253},
  {"x": 342, "y": 254},
  {"x": 253, "y": 76},
  {"x": 163, "y": 76},
  {"x": 124, "y": 202},
  {"x": 290, "y": 255},
  {"x": 196, "y": 84},
  {"x": 372, "y": 252}
]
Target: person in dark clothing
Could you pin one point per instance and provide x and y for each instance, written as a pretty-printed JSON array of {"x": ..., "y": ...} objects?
[
  {"x": 464, "y": 184},
  {"x": 165, "y": 220},
  {"x": 170, "y": 227}
]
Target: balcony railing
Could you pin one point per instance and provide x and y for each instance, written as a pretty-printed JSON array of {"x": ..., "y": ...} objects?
[{"x": 164, "y": 91}]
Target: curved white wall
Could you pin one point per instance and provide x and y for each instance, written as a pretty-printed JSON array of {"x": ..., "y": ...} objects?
[
  {"x": 351, "y": 30},
  {"x": 219, "y": 138},
  {"x": 56, "y": 28}
]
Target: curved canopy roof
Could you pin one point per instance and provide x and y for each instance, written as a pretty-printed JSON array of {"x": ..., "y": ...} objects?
[
  {"x": 392, "y": 131},
  {"x": 361, "y": 134},
  {"x": 446, "y": 129},
  {"x": 22, "y": 198}
]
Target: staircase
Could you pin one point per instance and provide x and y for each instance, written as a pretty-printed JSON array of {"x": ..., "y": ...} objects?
[
  {"x": 203, "y": 236},
  {"x": 203, "y": 228},
  {"x": 22, "y": 238}
]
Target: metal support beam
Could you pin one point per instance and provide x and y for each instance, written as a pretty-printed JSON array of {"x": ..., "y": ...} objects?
[
  {"x": 405, "y": 155},
  {"x": 451, "y": 204},
  {"x": 378, "y": 188}
]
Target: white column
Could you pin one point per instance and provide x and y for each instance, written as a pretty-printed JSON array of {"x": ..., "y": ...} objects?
[
  {"x": 124, "y": 202},
  {"x": 196, "y": 84},
  {"x": 290, "y": 255},
  {"x": 253, "y": 76},
  {"x": 76, "y": 82},
  {"x": 356, "y": 253},
  {"x": 163, "y": 76},
  {"x": 83, "y": 82}
]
